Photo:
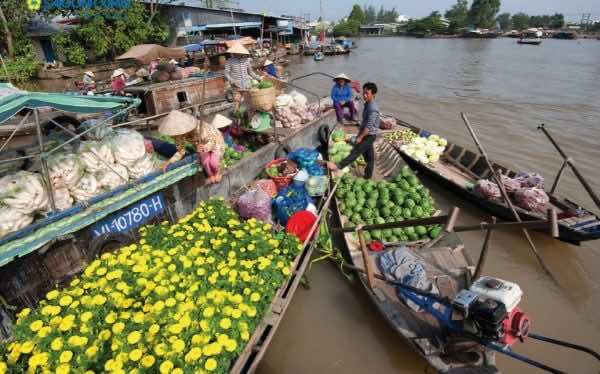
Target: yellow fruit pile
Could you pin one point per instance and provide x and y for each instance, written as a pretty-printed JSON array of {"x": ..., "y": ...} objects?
[{"x": 185, "y": 299}]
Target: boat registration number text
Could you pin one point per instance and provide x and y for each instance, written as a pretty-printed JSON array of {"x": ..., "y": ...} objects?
[{"x": 133, "y": 217}]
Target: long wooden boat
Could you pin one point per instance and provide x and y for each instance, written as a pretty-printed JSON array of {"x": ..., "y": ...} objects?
[
  {"x": 530, "y": 41},
  {"x": 448, "y": 267},
  {"x": 460, "y": 167},
  {"x": 336, "y": 53}
]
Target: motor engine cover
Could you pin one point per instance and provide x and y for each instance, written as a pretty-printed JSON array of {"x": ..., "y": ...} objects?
[
  {"x": 515, "y": 326},
  {"x": 505, "y": 292}
]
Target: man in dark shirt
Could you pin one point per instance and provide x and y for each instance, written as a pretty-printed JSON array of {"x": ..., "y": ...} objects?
[{"x": 367, "y": 134}]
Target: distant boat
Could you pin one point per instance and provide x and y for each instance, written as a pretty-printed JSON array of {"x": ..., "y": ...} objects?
[
  {"x": 536, "y": 41},
  {"x": 319, "y": 56}
]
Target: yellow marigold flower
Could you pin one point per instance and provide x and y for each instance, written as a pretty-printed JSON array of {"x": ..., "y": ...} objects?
[
  {"x": 175, "y": 329},
  {"x": 104, "y": 335},
  {"x": 245, "y": 335},
  {"x": 52, "y": 295},
  {"x": 44, "y": 331},
  {"x": 75, "y": 282},
  {"x": 101, "y": 271},
  {"x": 230, "y": 345},
  {"x": 208, "y": 312},
  {"x": 91, "y": 351},
  {"x": 225, "y": 323},
  {"x": 178, "y": 345},
  {"x": 86, "y": 316},
  {"x": 160, "y": 349},
  {"x": 177, "y": 371},
  {"x": 99, "y": 300},
  {"x": 148, "y": 361},
  {"x": 65, "y": 300},
  {"x": 3, "y": 367},
  {"x": 65, "y": 357},
  {"x": 286, "y": 271},
  {"x": 27, "y": 347},
  {"x": 166, "y": 367},
  {"x": 65, "y": 324},
  {"x": 154, "y": 329},
  {"x": 134, "y": 337},
  {"x": 36, "y": 325},
  {"x": 56, "y": 344},
  {"x": 135, "y": 355},
  {"x": 77, "y": 341},
  {"x": 111, "y": 318},
  {"x": 210, "y": 364},
  {"x": 63, "y": 369},
  {"x": 118, "y": 327},
  {"x": 38, "y": 359},
  {"x": 255, "y": 297},
  {"x": 24, "y": 313},
  {"x": 236, "y": 313},
  {"x": 138, "y": 317},
  {"x": 170, "y": 302}
]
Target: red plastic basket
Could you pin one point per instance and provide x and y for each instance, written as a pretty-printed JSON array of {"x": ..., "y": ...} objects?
[{"x": 280, "y": 181}]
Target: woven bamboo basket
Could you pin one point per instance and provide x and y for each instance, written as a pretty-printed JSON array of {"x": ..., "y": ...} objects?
[{"x": 263, "y": 99}]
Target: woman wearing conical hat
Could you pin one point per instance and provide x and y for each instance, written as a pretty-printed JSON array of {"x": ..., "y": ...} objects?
[
  {"x": 206, "y": 138},
  {"x": 239, "y": 73}
]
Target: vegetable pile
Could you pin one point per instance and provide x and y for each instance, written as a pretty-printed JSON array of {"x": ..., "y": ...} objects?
[
  {"x": 292, "y": 110},
  {"x": 340, "y": 149},
  {"x": 404, "y": 136},
  {"x": 367, "y": 202},
  {"x": 425, "y": 150},
  {"x": 232, "y": 155},
  {"x": 186, "y": 298}
]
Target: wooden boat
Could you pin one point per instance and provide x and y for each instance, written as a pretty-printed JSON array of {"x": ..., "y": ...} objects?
[
  {"x": 460, "y": 167},
  {"x": 319, "y": 56},
  {"x": 335, "y": 52},
  {"x": 448, "y": 267},
  {"x": 535, "y": 41}
]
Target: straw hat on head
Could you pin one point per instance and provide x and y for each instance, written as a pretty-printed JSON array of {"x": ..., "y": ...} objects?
[
  {"x": 221, "y": 121},
  {"x": 177, "y": 123},
  {"x": 238, "y": 49},
  {"x": 342, "y": 76},
  {"x": 172, "y": 61},
  {"x": 89, "y": 73},
  {"x": 117, "y": 73},
  {"x": 268, "y": 62}
]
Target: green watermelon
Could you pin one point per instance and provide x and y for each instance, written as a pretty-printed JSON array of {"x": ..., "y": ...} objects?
[
  {"x": 421, "y": 231},
  {"x": 406, "y": 172},
  {"x": 372, "y": 203},
  {"x": 435, "y": 232},
  {"x": 409, "y": 203},
  {"x": 407, "y": 213}
]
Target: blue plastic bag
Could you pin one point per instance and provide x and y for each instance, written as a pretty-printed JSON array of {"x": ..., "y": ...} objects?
[
  {"x": 289, "y": 201},
  {"x": 304, "y": 157}
]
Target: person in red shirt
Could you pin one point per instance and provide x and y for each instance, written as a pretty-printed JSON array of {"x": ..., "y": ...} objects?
[{"x": 118, "y": 82}]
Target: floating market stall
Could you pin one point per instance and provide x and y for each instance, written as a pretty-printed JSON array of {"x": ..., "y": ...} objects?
[{"x": 59, "y": 243}]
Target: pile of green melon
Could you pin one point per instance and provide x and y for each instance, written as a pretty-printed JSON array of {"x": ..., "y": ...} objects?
[{"x": 369, "y": 202}]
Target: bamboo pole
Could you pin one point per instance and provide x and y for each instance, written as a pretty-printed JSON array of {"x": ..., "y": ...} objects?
[
  {"x": 43, "y": 155},
  {"x": 484, "y": 251},
  {"x": 571, "y": 164},
  {"x": 505, "y": 194}
]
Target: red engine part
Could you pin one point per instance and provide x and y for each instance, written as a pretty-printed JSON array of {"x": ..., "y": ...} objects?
[{"x": 515, "y": 326}]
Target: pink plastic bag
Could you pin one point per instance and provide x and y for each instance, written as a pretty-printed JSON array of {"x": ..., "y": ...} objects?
[
  {"x": 528, "y": 179},
  {"x": 532, "y": 199},
  {"x": 255, "y": 204},
  {"x": 510, "y": 185},
  {"x": 487, "y": 189}
]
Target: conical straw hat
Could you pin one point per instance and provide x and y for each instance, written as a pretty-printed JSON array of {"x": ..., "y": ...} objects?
[
  {"x": 177, "y": 123},
  {"x": 221, "y": 121},
  {"x": 268, "y": 62},
  {"x": 238, "y": 49},
  {"x": 90, "y": 73},
  {"x": 342, "y": 76}
]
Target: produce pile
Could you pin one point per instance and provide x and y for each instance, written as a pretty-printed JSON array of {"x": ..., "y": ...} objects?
[
  {"x": 404, "y": 136},
  {"x": 526, "y": 190},
  {"x": 186, "y": 298},
  {"x": 291, "y": 110},
  {"x": 232, "y": 155},
  {"x": 340, "y": 149},
  {"x": 425, "y": 150},
  {"x": 97, "y": 167},
  {"x": 368, "y": 202}
]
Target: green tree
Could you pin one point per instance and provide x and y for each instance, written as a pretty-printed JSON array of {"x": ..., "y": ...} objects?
[
  {"x": 390, "y": 16},
  {"x": 106, "y": 33},
  {"x": 14, "y": 19},
  {"x": 370, "y": 14},
  {"x": 357, "y": 14},
  {"x": 347, "y": 28},
  {"x": 430, "y": 24},
  {"x": 557, "y": 21},
  {"x": 483, "y": 13},
  {"x": 520, "y": 21},
  {"x": 380, "y": 14},
  {"x": 504, "y": 21},
  {"x": 458, "y": 15}
]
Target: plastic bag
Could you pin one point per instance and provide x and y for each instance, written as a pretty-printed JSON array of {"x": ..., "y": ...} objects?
[
  {"x": 98, "y": 129},
  {"x": 289, "y": 201},
  {"x": 528, "y": 179},
  {"x": 65, "y": 170},
  {"x": 304, "y": 157},
  {"x": 12, "y": 220},
  {"x": 316, "y": 186},
  {"x": 533, "y": 199},
  {"x": 86, "y": 188},
  {"x": 114, "y": 177},
  {"x": 268, "y": 186},
  {"x": 62, "y": 199},
  {"x": 96, "y": 156},
  {"x": 255, "y": 204},
  {"x": 24, "y": 192},
  {"x": 487, "y": 189},
  {"x": 300, "y": 224},
  {"x": 510, "y": 185}
]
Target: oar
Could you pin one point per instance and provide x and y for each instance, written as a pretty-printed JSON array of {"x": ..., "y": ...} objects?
[
  {"x": 505, "y": 194},
  {"x": 569, "y": 161}
]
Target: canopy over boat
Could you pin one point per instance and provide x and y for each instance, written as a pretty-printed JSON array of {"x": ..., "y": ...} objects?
[
  {"x": 13, "y": 100},
  {"x": 144, "y": 53}
]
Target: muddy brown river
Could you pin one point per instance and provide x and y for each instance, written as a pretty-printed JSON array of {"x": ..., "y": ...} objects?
[{"x": 507, "y": 90}]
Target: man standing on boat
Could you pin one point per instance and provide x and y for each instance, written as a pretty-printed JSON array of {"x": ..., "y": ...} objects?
[
  {"x": 367, "y": 134},
  {"x": 239, "y": 73}
]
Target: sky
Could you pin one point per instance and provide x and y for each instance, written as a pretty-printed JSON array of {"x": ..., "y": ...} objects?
[{"x": 336, "y": 9}]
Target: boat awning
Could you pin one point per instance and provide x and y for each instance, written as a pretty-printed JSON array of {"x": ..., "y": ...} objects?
[
  {"x": 193, "y": 47},
  {"x": 144, "y": 53},
  {"x": 243, "y": 25},
  {"x": 13, "y": 100}
]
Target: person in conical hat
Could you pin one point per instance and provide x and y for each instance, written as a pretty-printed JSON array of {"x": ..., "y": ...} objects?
[
  {"x": 118, "y": 82},
  {"x": 89, "y": 85},
  {"x": 211, "y": 146},
  {"x": 270, "y": 69},
  {"x": 182, "y": 128},
  {"x": 341, "y": 95},
  {"x": 239, "y": 73}
]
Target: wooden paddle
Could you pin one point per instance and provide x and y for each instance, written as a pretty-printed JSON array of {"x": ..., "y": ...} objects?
[
  {"x": 569, "y": 161},
  {"x": 509, "y": 203}
]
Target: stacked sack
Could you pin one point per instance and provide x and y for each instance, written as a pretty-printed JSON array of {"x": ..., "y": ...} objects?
[
  {"x": 99, "y": 162},
  {"x": 66, "y": 170},
  {"x": 22, "y": 196},
  {"x": 130, "y": 151},
  {"x": 291, "y": 110},
  {"x": 526, "y": 190}
]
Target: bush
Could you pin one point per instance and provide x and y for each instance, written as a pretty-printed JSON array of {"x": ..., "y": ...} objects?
[{"x": 20, "y": 68}]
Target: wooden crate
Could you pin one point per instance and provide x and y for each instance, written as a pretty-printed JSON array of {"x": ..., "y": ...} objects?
[{"x": 164, "y": 97}]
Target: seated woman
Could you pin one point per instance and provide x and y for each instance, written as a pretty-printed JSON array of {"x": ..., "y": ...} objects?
[
  {"x": 341, "y": 95},
  {"x": 270, "y": 69}
]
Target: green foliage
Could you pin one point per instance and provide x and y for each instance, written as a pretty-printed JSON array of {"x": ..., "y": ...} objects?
[
  {"x": 555, "y": 21},
  {"x": 504, "y": 21},
  {"x": 348, "y": 28},
  {"x": 458, "y": 15},
  {"x": 483, "y": 13},
  {"x": 357, "y": 14},
  {"x": 520, "y": 21},
  {"x": 107, "y": 33},
  {"x": 17, "y": 17},
  {"x": 432, "y": 23},
  {"x": 22, "y": 67},
  {"x": 370, "y": 14}
]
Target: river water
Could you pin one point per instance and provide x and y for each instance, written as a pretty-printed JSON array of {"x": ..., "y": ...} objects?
[{"x": 507, "y": 89}]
